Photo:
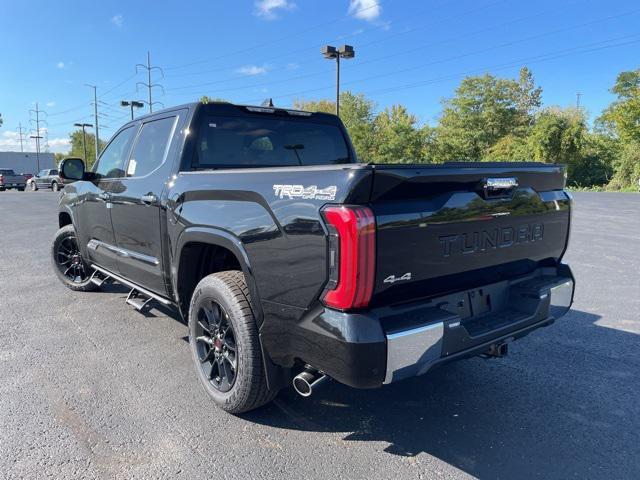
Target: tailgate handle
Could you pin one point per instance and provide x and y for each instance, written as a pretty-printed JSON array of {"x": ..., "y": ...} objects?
[{"x": 499, "y": 187}]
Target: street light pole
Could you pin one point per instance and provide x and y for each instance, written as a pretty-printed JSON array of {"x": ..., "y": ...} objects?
[
  {"x": 84, "y": 136},
  {"x": 37, "y": 138},
  {"x": 330, "y": 52}
]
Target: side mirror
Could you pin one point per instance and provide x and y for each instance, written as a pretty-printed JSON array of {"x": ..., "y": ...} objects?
[{"x": 72, "y": 169}]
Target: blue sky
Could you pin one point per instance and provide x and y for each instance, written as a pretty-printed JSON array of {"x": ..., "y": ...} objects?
[{"x": 407, "y": 51}]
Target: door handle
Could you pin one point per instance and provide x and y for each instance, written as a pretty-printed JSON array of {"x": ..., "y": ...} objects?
[
  {"x": 149, "y": 199},
  {"x": 106, "y": 196}
]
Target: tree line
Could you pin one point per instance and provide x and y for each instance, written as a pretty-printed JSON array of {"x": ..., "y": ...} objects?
[{"x": 502, "y": 119}]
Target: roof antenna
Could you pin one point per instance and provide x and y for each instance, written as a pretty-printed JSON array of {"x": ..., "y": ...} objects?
[{"x": 267, "y": 103}]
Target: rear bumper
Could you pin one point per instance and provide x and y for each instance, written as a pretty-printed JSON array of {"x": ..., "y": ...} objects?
[{"x": 381, "y": 346}]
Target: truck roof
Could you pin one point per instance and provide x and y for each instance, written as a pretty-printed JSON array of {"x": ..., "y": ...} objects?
[{"x": 228, "y": 108}]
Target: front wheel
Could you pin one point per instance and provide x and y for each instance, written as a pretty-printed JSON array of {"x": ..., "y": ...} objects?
[
  {"x": 68, "y": 263},
  {"x": 33, "y": 187},
  {"x": 224, "y": 343}
]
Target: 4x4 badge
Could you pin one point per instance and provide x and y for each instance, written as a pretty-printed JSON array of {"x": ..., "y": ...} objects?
[{"x": 394, "y": 279}]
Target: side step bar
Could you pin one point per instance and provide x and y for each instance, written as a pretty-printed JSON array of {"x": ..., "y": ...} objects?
[
  {"x": 138, "y": 300},
  {"x": 138, "y": 297},
  {"x": 100, "y": 278}
]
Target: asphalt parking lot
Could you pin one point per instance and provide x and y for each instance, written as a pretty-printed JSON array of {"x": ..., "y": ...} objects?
[{"x": 92, "y": 389}]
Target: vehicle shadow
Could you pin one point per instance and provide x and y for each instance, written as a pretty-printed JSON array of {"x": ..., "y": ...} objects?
[{"x": 563, "y": 404}]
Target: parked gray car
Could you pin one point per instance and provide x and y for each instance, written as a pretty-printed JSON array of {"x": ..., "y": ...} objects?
[
  {"x": 10, "y": 179},
  {"x": 47, "y": 178}
]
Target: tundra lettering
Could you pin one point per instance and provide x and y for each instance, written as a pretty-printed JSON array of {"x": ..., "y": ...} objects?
[{"x": 480, "y": 241}]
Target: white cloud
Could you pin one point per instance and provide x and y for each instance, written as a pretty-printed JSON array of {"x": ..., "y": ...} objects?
[
  {"x": 117, "y": 20},
  {"x": 268, "y": 8},
  {"x": 10, "y": 141},
  {"x": 51, "y": 104},
  {"x": 252, "y": 70},
  {"x": 59, "y": 145},
  {"x": 60, "y": 65},
  {"x": 365, "y": 9}
]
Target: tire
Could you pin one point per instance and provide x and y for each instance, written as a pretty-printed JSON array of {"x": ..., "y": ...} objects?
[
  {"x": 54, "y": 186},
  {"x": 68, "y": 264},
  {"x": 248, "y": 391},
  {"x": 33, "y": 187},
  {"x": 21, "y": 189}
]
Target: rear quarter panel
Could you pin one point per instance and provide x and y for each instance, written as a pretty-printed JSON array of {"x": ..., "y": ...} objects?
[{"x": 279, "y": 227}]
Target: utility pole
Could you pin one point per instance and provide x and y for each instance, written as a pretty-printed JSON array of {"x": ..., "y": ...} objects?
[
  {"x": 149, "y": 85},
  {"x": 84, "y": 136},
  {"x": 95, "y": 120},
  {"x": 578, "y": 95},
  {"x": 21, "y": 134},
  {"x": 37, "y": 136}
]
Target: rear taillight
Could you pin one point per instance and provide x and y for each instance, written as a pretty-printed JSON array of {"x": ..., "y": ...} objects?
[
  {"x": 1, "y": 178},
  {"x": 352, "y": 245}
]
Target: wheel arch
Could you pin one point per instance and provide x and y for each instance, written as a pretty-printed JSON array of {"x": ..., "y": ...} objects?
[
  {"x": 216, "y": 238},
  {"x": 65, "y": 218}
]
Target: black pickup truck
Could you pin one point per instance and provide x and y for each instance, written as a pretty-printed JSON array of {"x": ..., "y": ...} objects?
[{"x": 293, "y": 262}]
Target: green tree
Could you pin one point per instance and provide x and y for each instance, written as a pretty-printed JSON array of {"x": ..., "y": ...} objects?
[
  {"x": 77, "y": 148},
  {"x": 398, "y": 137},
  {"x": 206, "y": 99},
  {"x": 326, "y": 106},
  {"x": 510, "y": 148},
  {"x": 483, "y": 110},
  {"x": 627, "y": 168},
  {"x": 622, "y": 117},
  {"x": 558, "y": 136},
  {"x": 357, "y": 114}
]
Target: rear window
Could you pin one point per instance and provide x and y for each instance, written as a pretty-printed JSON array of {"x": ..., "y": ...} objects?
[
  {"x": 7, "y": 172},
  {"x": 228, "y": 142},
  {"x": 53, "y": 172}
]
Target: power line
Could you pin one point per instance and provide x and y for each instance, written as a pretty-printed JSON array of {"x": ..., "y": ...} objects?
[
  {"x": 586, "y": 48},
  {"x": 277, "y": 40},
  {"x": 417, "y": 67},
  {"x": 289, "y": 53}
]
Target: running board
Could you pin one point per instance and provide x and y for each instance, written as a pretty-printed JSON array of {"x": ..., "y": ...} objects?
[
  {"x": 138, "y": 300},
  {"x": 138, "y": 297},
  {"x": 99, "y": 278}
]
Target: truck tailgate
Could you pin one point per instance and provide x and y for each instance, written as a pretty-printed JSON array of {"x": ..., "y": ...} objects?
[{"x": 444, "y": 228}]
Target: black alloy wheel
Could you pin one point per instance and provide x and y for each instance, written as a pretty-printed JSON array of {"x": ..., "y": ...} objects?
[
  {"x": 70, "y": 261},
  {"x": 216, "y": 346}
]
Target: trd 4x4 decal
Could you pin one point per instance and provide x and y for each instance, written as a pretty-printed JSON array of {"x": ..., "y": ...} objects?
[{"x": 311, "y": 192}]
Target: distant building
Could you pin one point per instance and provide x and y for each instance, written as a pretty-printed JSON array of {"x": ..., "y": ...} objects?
[{"x": 26, "y": 162}]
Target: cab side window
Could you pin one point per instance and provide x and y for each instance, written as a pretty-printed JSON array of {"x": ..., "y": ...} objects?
[
  {"x": 111, "y": 162},
  {"x": 151, "y": 147}
]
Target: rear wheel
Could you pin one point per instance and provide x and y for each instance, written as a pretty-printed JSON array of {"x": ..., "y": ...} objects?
[
  {"x": 68, "y": 263},
  {"x": 54, "y": 186},
  {"x": 224, "y": 343},
  {"x": 21, "y": 189}
]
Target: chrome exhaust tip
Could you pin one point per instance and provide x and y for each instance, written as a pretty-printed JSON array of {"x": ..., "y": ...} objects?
[{"x": 304, "y": 383}]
